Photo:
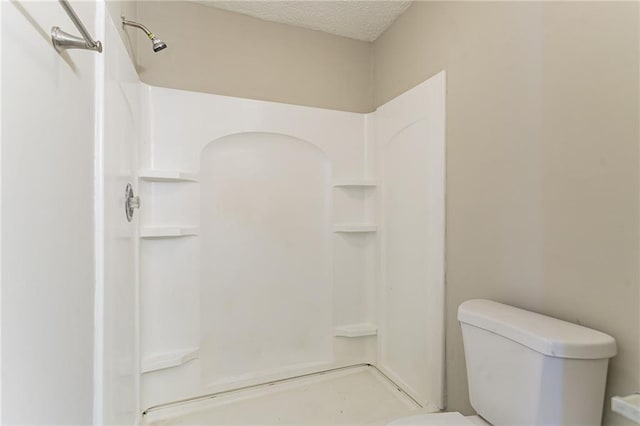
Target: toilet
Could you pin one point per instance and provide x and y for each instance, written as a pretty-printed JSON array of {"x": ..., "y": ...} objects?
[{"x": 525, "y": 368}]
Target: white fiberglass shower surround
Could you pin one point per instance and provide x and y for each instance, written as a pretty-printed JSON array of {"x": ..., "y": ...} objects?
[
  {"x": 273, "y": 241},
  {"x": 281, "y": 240}
]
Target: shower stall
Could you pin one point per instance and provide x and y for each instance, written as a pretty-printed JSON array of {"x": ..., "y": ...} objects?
[{"x": 281, "y": 256}]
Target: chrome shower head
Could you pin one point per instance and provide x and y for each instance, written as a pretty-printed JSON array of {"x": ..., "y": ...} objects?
[{"x": 158, "y": 44}]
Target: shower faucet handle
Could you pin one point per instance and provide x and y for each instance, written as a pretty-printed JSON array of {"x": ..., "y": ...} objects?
[
  {"x": 131, "y": 202},
  {"x": 134, "y": 202}
]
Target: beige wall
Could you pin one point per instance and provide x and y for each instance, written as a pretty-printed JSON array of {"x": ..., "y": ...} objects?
[
  {"x": 226, "y": 53},
  {"x": 128, "y": 9},
  {"x": 542, "y": 161}
]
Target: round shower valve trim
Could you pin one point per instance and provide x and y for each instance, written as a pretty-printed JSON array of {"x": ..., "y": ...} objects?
[{"x": 131, "y": 202}]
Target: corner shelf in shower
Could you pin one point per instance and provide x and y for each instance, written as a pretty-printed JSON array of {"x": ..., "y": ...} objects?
[
  {"x": 167, "y": 176},
  {"x": 160, "y": 361},
  {"x": 355, "y": 330},
  {"x": 355, "y": 183},
  {"x": 167, "y": 232},
  {"x": 355, "y": 227}
]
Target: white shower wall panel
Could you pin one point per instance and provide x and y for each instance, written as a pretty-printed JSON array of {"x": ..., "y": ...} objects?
[
  {"x": 352, "y": 302},
  {"x": 410, "y": 140},
  {"x": 257, "y": 291},
  {"x": 295, "y": 260},
  {"x": 183, "y": 123},
  {"x": 170, "y": 290},
  {"x": 47, "y": 121},
  {"x": 117, "y": 359}
]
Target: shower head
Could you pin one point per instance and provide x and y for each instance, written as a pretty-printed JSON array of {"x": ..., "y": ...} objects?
[{"x": 158, "y": 44}]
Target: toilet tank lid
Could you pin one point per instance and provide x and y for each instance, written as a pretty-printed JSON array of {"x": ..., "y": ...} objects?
[{"x": 549, "y": 336}]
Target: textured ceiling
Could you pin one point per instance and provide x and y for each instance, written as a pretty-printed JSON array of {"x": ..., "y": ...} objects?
[{"x": 362, "y": 20}]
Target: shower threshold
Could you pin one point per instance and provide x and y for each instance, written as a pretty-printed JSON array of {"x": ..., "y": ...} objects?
[{"x": 354, "y": 395}]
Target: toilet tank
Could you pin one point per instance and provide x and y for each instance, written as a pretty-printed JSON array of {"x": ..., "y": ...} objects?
[{"x": 525, "y": 368}]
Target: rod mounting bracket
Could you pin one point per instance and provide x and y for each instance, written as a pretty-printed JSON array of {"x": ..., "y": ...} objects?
[{"x": 62, "y": 40}]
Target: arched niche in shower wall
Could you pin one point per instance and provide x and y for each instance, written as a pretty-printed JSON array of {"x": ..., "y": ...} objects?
[{"x": 265, "y": 255}]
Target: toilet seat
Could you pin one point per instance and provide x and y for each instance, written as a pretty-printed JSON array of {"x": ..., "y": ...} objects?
[{"x": 437, "y": 419}]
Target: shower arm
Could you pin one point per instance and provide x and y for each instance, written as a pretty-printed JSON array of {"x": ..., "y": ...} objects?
[
  {"x": 137, "y": 25},
  {"x": 158, "y": 44}
]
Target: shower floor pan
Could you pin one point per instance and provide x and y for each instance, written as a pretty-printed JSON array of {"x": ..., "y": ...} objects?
[{"x": 357, "y": 395}]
